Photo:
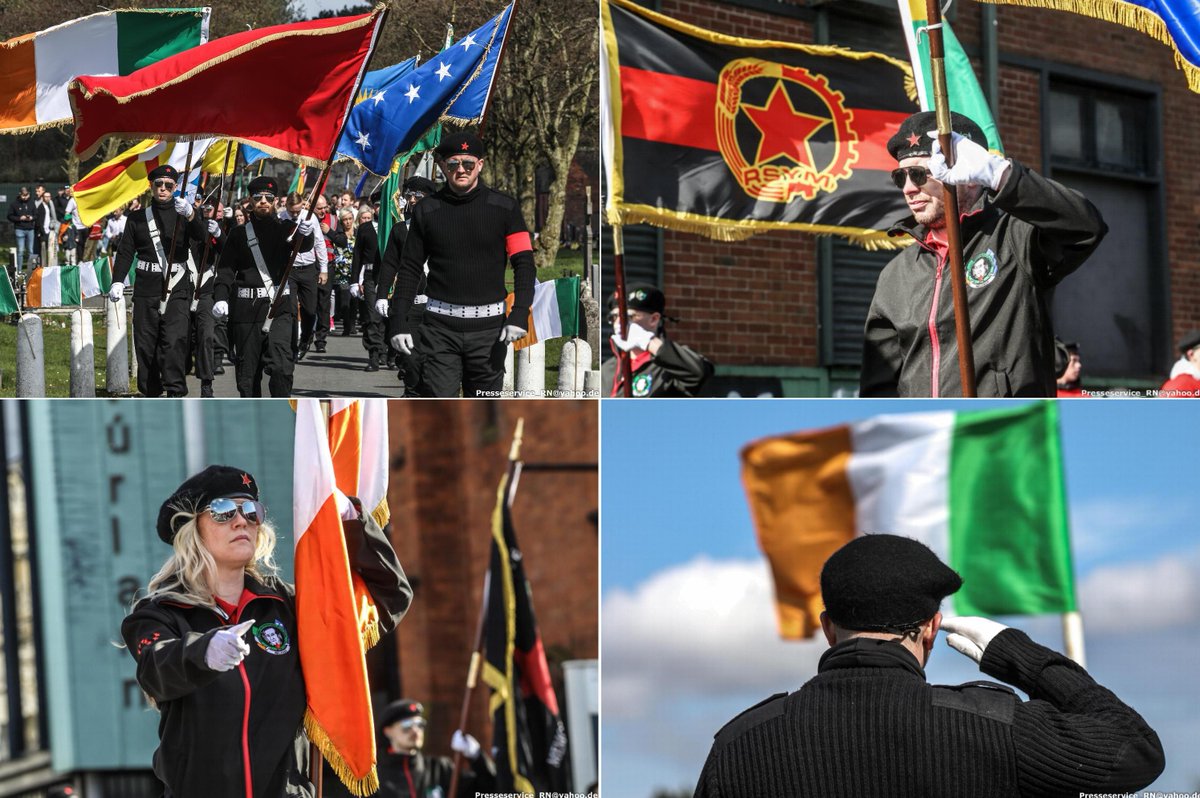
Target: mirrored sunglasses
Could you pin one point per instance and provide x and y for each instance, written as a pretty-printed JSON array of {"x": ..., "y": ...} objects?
[
  {"x": 222, "y": 510},
  {"x": 263, "y": 195},
  {"x": 413, "y": 723},
  {"x": 164, "y": 182},
  {"x": 468, "y": 166},
  {"x": 917, "y": 174}
]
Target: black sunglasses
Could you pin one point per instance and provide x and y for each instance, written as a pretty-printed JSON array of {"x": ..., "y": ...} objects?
[
  {"x": 917, "y": 174},
  {"x": 264, "y": 195},
  {"x": 223, "y": 510},
  {"x": 468, "y": 166},
  {"x": 162, "y": 181}
]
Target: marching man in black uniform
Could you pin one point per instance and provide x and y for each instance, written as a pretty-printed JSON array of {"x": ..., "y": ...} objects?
[
  {"x": 203, "y": 321},
  {"x": 252, "y": 265},
  {"x": 363, "y": 269},
  {"x": 160, "y": 335},
  {"x": 467, "y": 232}
]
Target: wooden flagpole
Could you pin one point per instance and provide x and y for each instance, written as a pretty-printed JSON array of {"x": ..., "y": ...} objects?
[
  {"x": 958, "y": 280},
  {"x": 220, "y": 201},
  {"x": 514, "y": 463}
]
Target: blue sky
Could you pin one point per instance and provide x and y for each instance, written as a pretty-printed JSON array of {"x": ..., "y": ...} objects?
[{"x": 688, "y": 635}]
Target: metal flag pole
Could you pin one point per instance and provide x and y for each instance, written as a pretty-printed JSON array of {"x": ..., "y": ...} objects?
[
  {"x": 1072, "y": 624},
  {"x": 624, "y": 367},
  {"x": 232, "y": 147},
  {"x": 958, "y": 279}
]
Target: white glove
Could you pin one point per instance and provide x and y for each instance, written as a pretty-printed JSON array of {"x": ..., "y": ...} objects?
[
  {"x": 511, "y": 333},
  {"x": 381, "y": 307},
  {"x": 970, "y": 635},
  {"x": 356, "y": 290},
  {"x": 307, "y": 223},
  {"x": 465, "y": 744},
  {"x": 227, "y": 648},
  {"x": 220, "y": 309},
  {"x": 214, "y": 229},
  {"x": 116, "y": 291},
  {"x": 229, "y": 212},
  {"x": 639, "y": 338},
  {"x": 403, "y": 342},
  {"x": 972, "y": 164},
  {"x": 184, "y": 208}
]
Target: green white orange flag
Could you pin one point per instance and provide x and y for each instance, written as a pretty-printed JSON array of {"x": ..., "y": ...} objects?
[
  {"x": 59, "y": 286},
  {"x": 8, "y": 299},
  {"x": 35, "y": 68},
  {"x": 983, "y": 489},
  {"x": 338, "y": 719},
  {"x": 554, "y": 312},
  {"x": 963, "y": 89},
  {"x": 358, "y": 436}
]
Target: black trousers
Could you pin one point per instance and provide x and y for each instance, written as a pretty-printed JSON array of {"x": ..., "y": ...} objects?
[
  {"x": 449, "y": 358},
  {"x": 203, "y": 338},
  {"x": 160, "y": 342},
  {"x": 324, "y": 293},
  {"x": 256, "y": 350},
  {"x": 373, "y": 330},
  {"x": 345, "y": 309},
  {"x": 411, "y": 366},
  {"x": 304, "y": 279},
  {"x": 221, "y": 340}
]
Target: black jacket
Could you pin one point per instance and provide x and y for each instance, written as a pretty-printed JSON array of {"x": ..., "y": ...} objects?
[
  {"x": 237, "y": 268},
  {"x": 1017, "y": 246},
  {"x": 137, "y": 245},
  {"x": 205, "y": 730},
  {"x": 420, "y": 776},
  {"x": 868, "y": 724},
  {"x": 22, "y": 207},
  {"x": 674, "y": 371}
]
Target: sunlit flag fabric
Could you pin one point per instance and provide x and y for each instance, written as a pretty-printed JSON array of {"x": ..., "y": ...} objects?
[
  {"x": 203, "y": 92},
  {"x": 358, "y": 440},
  {"x": 114, "y": 183},
  {"x": 377, "y": 82},
  {"x": 1175, "y": 23},
  {"x": 728, "y": 137},
  {"x": 962, "y": 87},
  {"x": 338, "y": 719},
  {"x": 394, "y": 120},
  {"x": 8, "y": 299},
  {"x": 35, "y": 68},
  {"x": 59, "y": 286},
  {"x": 983, "y": 489},
  {"x": 528, "y": 737},
  {"x": 554, "y": 312}
]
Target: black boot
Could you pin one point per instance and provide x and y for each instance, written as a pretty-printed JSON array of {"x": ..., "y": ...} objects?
[
  {"x": 372, "y": 364},
  {"x": 206, "y": 389}
]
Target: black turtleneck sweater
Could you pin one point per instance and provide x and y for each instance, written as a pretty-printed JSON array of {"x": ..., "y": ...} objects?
[
  {"x": 467, "y": 239},
  {"x": 868, "y": 724},
  {"x": 137, "y": 244}
]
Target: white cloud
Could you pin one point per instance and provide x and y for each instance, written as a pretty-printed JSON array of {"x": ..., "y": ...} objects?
[
  {"x": 1104, "y": 527},
  {"x": 703, "y": 628},
  {"x": 1150, "y": 595}
]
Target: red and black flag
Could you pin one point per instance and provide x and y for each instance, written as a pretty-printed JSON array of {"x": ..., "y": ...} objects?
[
  {"x": 729, "y": 137},
  {"x": 528, "y": 736}
]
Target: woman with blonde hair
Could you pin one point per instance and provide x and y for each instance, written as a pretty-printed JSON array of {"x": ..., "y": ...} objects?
[{"x": 215, "y": 642}]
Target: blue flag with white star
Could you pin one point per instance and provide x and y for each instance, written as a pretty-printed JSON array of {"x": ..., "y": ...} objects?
[{"x": 392, "y": 119}]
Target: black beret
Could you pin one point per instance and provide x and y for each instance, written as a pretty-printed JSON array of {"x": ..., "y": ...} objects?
[
  {"x": 166, "y": 170},
  {"x": 1062, "y": 357},
  {"x": 263, "y": 183},
  {"x": 1189, "y": 341},
  {"x": 422, "y": 184},
  {"x": 463, "y": 143},
  {"x": 912, "y": 139},
  {"x": 884, "y": 583},
  {"x": 198, "y": 490},
  {"x": 646, "y": 298},
  {"x": 400, "y": 710}
]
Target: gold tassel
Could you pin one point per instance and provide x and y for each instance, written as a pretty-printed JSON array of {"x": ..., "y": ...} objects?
[
  {"x": 740, "y": 231},
  {"x": 361, "y": 787}
]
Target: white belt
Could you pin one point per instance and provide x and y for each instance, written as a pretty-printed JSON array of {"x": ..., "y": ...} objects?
[
  {"x": 257, "y": 293},
  {"x": 149, "y": 266},
  {"x": 465, "y": 311},
  {"x": 420, "y": 299}
]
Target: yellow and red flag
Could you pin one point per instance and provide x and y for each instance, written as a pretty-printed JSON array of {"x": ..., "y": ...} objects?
[
  {"x": 338, "y": 719},
  {"x": 358, "y": 435}
]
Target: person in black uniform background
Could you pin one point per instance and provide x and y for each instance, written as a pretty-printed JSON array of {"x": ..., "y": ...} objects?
[
  {"x": 467, "y": 232},
  {"x": 363, "y": 270},
  {"x": 160, "y": 339},
  {"x": 869, "y": 724},
  {"x": 203, "y": 322},
  {"x": 415, "y": 189},
  {"x": 243, "y": 294},
  {"x": 309, "y": 273},
  {"x": 216, "y": 646},
  {"x": 406, "y": 772},
  {"x": 659, "y": 366}
]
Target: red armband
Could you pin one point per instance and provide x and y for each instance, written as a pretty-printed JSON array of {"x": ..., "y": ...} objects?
[{"x": 517, "y": 243}]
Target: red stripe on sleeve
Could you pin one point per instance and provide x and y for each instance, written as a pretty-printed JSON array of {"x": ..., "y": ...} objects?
[{"x": 517, "y": 243}]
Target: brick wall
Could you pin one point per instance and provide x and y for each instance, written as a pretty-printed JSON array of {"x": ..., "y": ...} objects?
[
  {"x": 755, "y": 302},
  {"x": 448, "y": 458}
]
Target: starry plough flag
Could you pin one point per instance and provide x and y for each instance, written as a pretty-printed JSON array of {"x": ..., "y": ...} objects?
[
  {"x": 451, "y": 86},
  {"x": 728, "y": 137}
]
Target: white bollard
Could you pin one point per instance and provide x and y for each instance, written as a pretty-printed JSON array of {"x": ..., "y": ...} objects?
[
  {"x": 116, "y": 348},
  {"x": 31, "y": 367},
  {"x": 509, "y": 375},
  {"x": 83, "y": 355},
  {"x": 572, "y": 365},
  {"x": 531, "y": 371},
  {"x": 592, "y": 388}
]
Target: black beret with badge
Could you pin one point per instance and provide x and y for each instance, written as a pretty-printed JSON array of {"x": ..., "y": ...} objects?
[
  {"x": 462, "y": 143},
  {"x": 881, "y": 582},
  {"x": 198, "y": 490},
  {"x": 166, "y": 170},
  {"x": 400, "y": 710},
  {"x": 419, "y": 184},
  {"x": 264, "y": 185},
  {"x": 912, "y": 139}
]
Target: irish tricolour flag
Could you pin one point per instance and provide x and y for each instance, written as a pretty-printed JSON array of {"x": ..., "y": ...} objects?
[
  {"x": 554, "y": 312},
  {"x": 35, "y": 68},
  {"x": 983, "y": 489},
  {"x": 55, "y": 286}
]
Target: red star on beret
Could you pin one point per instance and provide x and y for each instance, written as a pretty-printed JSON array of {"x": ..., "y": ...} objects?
[
  {"x": 464, "y": 147},
  {"x": 914, "y": 140},
  {"x": 245, "y": 479}
]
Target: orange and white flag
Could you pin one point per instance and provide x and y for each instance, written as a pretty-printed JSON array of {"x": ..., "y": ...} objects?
[
  {"x": 338, "y": 719},
  {"x": 358, "y": 444}
]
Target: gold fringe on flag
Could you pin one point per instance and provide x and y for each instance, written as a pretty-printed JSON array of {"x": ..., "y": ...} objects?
[{"x": 361, "y": 787}]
